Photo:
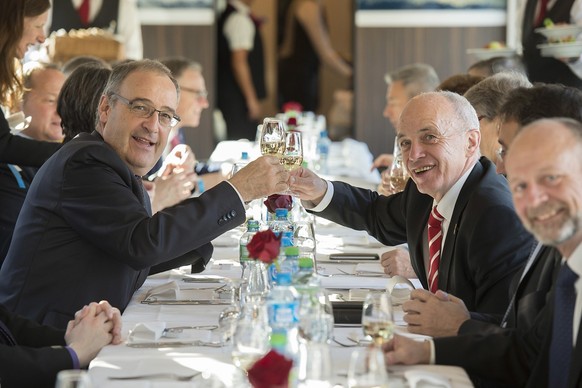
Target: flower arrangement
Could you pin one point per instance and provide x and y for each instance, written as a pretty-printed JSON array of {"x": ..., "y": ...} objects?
[
  {"x": 292, "y": 106},
  {"x": 278, "y": 201},
  {"x": 264, "y": 246},
  {"x": 270, "y": 371}
]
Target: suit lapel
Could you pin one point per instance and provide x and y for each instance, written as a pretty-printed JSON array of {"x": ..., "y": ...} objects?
[
  {"x": 450, "y": 242},
  {"x": 575, "y": 378}
]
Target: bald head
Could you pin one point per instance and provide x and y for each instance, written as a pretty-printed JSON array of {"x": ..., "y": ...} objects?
[{"x": 543, "y": 168}]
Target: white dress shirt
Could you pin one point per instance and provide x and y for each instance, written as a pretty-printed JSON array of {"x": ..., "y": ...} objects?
[{"x": 239, "y": 28}]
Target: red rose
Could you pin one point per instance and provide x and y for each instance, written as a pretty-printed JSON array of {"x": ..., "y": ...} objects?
[
  {"x": 292, "y": 121},
  {"x": 292, "y": 106},
  {"x": 278, "y": 201},
  {"x": 264, "y": 246},
  {"x": 271, "y": 371}
]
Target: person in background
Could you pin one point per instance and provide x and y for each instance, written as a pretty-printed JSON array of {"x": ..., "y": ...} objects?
[
  {"x": 87, "y": 219},
  {"x": 488, "y": 67},
  {"x": 487, "y": 97},
  {"x": 459, "y": 83},
  {"x": 547, "y": 193},
  {"x": 21, "y": 25},
  {"x": 31, "y": 355},
  {"x": 122, "y": 15},
  {"x": 42, "y": 83},
  {"x": 453, "y": 194},
  {"x": 70, "y": 66},
  {"x": 241, "y": 70},
  {"x": 304, "y": 43}
]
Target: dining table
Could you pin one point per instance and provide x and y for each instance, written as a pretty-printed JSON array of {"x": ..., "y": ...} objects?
[{"x": 199, "y": 352}]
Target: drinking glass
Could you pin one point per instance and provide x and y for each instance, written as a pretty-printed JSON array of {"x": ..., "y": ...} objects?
[
  {"x": 377, "y": 317},
  {"x": 272, "y": 140},
  {"x": 73, "y": 379},
  {"x": 304, "y": 239},
  {"x": 293, "y": 154},
  {"x": 316, "y": 315},
  {"x": 367, "y": 369},
  {"x": 251, "y": 337},
  {"x": 315, "y": 370}
]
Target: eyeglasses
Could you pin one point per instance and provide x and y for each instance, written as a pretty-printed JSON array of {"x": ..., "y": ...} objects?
[
  {"x": 198, "y": 93},
  {"x": 139, "y": 108}
]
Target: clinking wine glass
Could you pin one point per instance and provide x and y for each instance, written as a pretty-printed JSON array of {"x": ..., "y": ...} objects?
[
  {"x": 293, "y": 153},
  {"x": 378, "y": 317},
  {"x": 398, "y": 174},
  {"x": 272, "y": 140}
]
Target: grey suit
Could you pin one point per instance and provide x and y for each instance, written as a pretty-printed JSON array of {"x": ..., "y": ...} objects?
[{"x": 84, "y": 235}]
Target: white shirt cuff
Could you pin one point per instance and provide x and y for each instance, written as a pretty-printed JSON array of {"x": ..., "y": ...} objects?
[
  {"x": 325, "y": 201},
  {"x": 432, "y": 359}
]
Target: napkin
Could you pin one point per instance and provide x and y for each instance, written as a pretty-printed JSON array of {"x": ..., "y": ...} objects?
[
  {"x": 147, "y": 332},
  {"x": 419, "y": 378},
  {"x": 347, "y": 281},
  {"x": 167, "y": 291},
  {"x": 399, "y": 288},
  {"x": 170, "y": 291}
]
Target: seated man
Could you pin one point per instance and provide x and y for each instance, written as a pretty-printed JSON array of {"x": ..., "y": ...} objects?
[
  {"x": 86, "y": 230},
  {"x": 547, "y": 193},
  {"x": 469, "y": 255},
  {"x": 42, "y": 83},
  {"x": 31, "y": 355}
]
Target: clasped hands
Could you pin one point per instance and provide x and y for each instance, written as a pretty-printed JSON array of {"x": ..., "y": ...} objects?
[{"x": 94, "y": 326}]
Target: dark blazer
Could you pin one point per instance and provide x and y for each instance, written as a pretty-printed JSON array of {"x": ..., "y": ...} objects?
[
  {"x": 84, "y": 234},
  {"x": 37, "y": 359},
  {"x": 18, "y": 150},
  {"x": 530, "y": 296},
  {"x": 485, "y": 245},
  {"x": 517, "y": 357}
]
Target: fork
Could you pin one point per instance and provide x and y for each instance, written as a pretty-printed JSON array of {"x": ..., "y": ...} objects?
[
  {"x": 343, "y": 344},
  {"x": 168, "y": 376}
]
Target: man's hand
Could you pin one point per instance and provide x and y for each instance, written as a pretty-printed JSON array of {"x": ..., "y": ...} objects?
[
  {"x": 181, "y": 157},
  {"x": 87, "y": 335},
  {"x": 172, "y": 188},
  {"x": 437, "y": 315},
  {"x": 402, "y": 350},
  {"x": 260, "y": 178},
  {"x": 307, "y": 185},
  {"x": 112, "y": 314},
  {"x": 384, "y": 160},
  {"x": 397, "y": 262}
]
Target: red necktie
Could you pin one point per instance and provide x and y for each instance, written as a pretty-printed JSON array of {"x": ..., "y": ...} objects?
[
  {"x": 435, "y": 239},
  {"x": 542, "y": 13},
  {"x": 84, "y": 12}
]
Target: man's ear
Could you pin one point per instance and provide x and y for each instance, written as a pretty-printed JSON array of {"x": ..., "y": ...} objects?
[
  {"x": 473, "y": 141},
  {"x": 104, "y": 109}
]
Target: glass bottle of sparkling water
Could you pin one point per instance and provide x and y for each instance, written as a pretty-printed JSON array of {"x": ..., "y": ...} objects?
[{"x": 252, "y": 229}]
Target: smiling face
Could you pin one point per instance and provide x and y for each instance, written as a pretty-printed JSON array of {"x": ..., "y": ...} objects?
[
  {"x": 546, "y": 185},
  {"x": 138, "y": 141},
  {"x": 40, "y": 103},
  {"x": 437, "y": 147},
  {"x": 33, "y": 33},
  {"x": 191, "y": 103}
]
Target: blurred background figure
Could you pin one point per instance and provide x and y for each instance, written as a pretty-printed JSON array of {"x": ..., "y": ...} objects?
[
  {"x": 459, "y": 83},
  {"x": 488, "y": 67},
  {"x": 241, "y": 70},
  {"x": 70, "y": 66},
  {"x": 119, "y": 15},
  {"x": 304, "y": 43}
]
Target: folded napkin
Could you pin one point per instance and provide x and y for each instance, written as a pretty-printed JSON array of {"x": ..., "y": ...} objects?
[
  {"x": 418, "y": 378},
  {"x": 171, "y": 292},
  {"x": 347, "y": 282},
  {"x": 147, "y": 332},
  {"x": 167, "y": 291}
]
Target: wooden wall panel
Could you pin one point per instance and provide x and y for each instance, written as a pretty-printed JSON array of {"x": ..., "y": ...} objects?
[{"x": 379, "y": 50}]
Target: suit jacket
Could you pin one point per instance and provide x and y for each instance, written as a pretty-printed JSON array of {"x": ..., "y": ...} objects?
[
  {"x": 18, "y": 150},
  {"x": 531, "y": 295},
  {"x": 37, "y": 359},
  {"x": 84, "y": 234},
  {"x": 518, "y": 357},
  {"x": 485, "y": 244}
]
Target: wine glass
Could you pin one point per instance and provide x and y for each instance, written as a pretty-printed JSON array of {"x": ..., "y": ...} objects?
[
  {"x": 73, "y": 378},
  {"x": 367, "y": 368},
  {"x": 398, "y": 174},
  {"x": 292, "y": 156},
  {"x": 272, "y": 141},
  {"x": 377, "y": 317}
]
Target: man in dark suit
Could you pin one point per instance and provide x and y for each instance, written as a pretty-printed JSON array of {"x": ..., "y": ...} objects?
[
  {"x": 547, "y": 193},
  {"x": 31, "y": 355},
  {"x": 86, "y": 231},
  {"x": 439, "y": 136}
]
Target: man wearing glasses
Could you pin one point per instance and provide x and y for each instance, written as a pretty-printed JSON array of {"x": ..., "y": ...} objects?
[{"x": 86, "y": 231}]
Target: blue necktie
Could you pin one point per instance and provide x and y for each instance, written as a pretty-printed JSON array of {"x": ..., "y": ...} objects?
[
  {"x": 562, "y": 327},
  {"x": 6, "y": 337}
]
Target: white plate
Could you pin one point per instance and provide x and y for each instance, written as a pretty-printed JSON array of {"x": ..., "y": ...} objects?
[
  {"x": 560, "y": 32},
  {"x": 561, "y": 50},
  {"x": 483, "y": 53}
]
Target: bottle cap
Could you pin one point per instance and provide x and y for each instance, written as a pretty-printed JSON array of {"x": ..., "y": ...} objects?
[
  {"x": 305, "y": 262},
  {"x": 281, "y": 212},
  {"x": 292, "y": 251},
  {"x": 278, "y": 339},
  {"x": 253, "y": 224},
  {"x": 244, "y": 155}
]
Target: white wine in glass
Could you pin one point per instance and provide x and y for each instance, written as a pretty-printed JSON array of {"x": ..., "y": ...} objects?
[
  {"x": 272, "y": 141},
  {"x": 377, "y": 317},
  {"x": 293, "y": 154}
]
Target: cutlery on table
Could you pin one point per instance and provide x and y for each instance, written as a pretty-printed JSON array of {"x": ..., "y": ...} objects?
[
  {"x": 173, "y": 344},
  {"x": 179, "y": 329},
  {"x": 168, "y": 376}
]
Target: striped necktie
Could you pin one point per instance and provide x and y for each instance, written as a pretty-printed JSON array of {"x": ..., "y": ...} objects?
[{"x": 435, "y": 239}]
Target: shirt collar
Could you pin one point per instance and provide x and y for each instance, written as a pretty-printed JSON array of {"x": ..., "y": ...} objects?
[
  {"x": 447, "y": 204},
  {"x": 240, "y": 6},
  {"x": 575, "y": 261}
]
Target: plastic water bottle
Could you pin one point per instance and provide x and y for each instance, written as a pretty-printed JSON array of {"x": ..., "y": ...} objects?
[
  {"x": 323, "y": 144},
  {"x": 279, "y": 264},
  {"x": 283, "y": 312},
  {"x": 281, "y": 223},
  {"x": 252, "y": 229},
  {"x": 291, "y": 262}
]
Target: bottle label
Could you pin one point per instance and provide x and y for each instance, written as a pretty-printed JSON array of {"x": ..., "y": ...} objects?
[
  {"x": 284, "y": 313},
  {"x": 243, "y": 253}
]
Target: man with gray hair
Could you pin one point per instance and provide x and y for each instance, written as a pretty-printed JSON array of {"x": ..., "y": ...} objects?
[
  {"x": 449, "y": 213},
  {"x": 86, "y": 231}
]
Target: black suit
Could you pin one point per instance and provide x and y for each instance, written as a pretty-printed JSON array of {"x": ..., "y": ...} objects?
[
  {"x": 84, "y": 235},
  {"x": 485, "y": 244},
  {"x": 518, "y": 357},
  {"x": 37, "y": 359},
  {"x": 18, "y": 150}
]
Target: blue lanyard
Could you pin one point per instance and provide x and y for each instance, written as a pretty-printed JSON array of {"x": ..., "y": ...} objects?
[{"x": 17, "y": 175}]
